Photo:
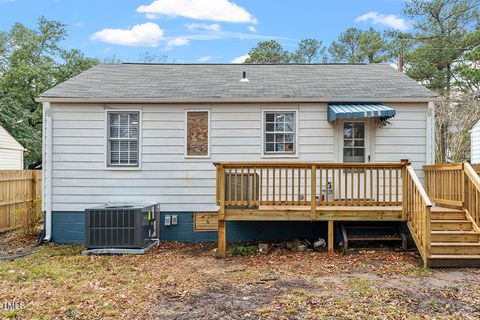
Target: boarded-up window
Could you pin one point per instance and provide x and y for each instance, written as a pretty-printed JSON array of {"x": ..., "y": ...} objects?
[{"x": 197, "y": 133}]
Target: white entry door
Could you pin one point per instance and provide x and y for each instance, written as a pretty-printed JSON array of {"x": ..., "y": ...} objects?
[{"x": 354, "y": 147}]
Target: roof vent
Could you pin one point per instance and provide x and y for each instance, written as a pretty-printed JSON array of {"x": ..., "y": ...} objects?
[{"x": 244, "y": 77}]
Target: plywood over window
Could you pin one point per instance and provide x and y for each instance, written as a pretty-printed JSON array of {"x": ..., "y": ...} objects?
[{"x": 197, "y": 134}]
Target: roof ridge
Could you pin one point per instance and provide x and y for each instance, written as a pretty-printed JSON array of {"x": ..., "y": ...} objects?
[{"x": 245, "y": 64}]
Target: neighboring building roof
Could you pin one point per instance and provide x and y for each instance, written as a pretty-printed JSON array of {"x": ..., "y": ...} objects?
[
  {"x": 8, "y": 142},
  {"x": 212, "y": 82}
]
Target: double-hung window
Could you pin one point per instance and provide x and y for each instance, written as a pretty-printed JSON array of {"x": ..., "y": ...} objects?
[
  {"x": 123, "y": 138},
  {"x": 280, "y": 128}
]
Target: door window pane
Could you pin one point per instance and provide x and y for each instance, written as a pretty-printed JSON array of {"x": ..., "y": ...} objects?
[{"x": 354, "y": 142}]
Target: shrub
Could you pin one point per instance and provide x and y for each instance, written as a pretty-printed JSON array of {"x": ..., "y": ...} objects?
[
  {"x": 244, "y": 250},
  {"x": 28, "y": 218}
]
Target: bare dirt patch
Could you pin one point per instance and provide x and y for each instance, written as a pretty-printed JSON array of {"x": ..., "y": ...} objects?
[{"x": 185, "y": 281}]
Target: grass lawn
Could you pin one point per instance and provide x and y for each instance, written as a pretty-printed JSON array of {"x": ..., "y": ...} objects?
[{"x": 185, "y": 281}]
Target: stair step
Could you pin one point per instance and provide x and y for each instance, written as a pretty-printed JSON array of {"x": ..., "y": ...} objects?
[
  {"x": 455, "y": 236},
  {"x": 454, "y": 260},
  {"x": 448, "y": 215},
  {"x": 444, "y": 225},
  {"x": 455, "y": 256},
  {"x": 459, "y": 248}
]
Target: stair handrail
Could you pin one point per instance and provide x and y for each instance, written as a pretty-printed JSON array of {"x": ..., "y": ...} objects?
[{"x": 417, "y": 207}]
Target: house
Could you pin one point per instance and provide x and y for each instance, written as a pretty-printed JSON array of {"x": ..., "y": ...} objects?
[
  {"x": 11, "y": 152},
  {"x": 475, "y": 143},
  {"x": 263, "y": 151}
]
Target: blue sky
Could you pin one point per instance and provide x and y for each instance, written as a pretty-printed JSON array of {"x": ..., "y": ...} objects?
[{"x": 199, "y": 30}]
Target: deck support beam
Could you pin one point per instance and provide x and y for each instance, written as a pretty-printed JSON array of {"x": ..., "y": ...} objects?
[{"x": 330, "y": 236}]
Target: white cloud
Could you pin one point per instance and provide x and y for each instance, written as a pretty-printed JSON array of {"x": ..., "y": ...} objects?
[
  {"x": 240, "y": 59},
  {"x": 204, "y": 59},
  {"x": 219, "y": 35},
  {"x": 204, "y": 26},
  {"x": 141, "y": 35},
  {"x": 178, "y": 42},
  {"x": 252, "y": 29},
  {"x": 390, "y": 20},
  {"x": 214, "y": 10}
]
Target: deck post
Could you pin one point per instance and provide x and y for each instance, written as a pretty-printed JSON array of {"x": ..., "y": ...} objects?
[
  {"x": 313, "y": 192},
  {"x": 222, "y": 239},
  {"x": 428, "y": 233},
  {"x": 404, "y": 163},
  {"x": 330, "y": 236},
  {"x": 222, "y": 232}
]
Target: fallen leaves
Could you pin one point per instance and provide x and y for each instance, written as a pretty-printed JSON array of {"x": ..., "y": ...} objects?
[{"x": 179, "y": 280}]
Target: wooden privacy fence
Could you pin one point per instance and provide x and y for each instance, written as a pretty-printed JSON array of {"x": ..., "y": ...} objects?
[
  {"x": 18, "y": 188},
  {"x": 323, "y": 184}
]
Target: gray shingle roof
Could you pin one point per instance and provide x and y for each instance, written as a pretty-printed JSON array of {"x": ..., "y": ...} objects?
[{"x": 221, "y": 81}]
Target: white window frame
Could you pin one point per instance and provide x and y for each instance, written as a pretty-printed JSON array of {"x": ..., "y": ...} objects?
[
  {"x": 186, "y": 155},
  {"x": 107, "y": 128},
  {"x": 295, "y": 132}
]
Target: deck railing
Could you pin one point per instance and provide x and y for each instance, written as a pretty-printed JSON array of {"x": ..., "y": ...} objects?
[
  {"x": 444, "y": 184},
  {"x": 418, "y": 206},
  {"x": 316, "y": 184},
  {"x": 456, "y": 185},
  {"x": 306, "y": 186}
]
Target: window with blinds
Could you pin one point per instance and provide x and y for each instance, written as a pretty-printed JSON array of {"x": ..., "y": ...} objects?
[
  {"x": 123, "y": 132},
  {"x": 197, "y": 134}
]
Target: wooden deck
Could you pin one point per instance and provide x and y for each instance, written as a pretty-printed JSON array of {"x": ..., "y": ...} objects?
[{"x": 446, "y": 234}]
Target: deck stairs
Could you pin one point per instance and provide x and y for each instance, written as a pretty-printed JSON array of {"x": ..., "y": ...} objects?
[{"x": 455, "y": 242}]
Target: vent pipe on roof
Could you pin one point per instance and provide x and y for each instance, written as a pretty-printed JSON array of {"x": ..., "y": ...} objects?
[{"x": 244, "y": 77}]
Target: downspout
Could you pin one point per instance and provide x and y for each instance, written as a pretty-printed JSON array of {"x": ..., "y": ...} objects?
[
  {"x": 430, "y": 137},
  {"x": 47, "y": 170}
]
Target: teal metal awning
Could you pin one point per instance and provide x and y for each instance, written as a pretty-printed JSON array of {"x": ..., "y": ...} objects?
[{"x": 359, "y": 111}]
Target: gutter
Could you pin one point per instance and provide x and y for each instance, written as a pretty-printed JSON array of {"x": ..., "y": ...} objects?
[
  {"x": 47, "y": 170},
  {"x": 232, "y": 100}
]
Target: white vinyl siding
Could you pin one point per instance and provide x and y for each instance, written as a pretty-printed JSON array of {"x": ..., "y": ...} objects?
[
  {"x": 11, "y": 152},
  {"x": 475, "y": 140},
  {"x": 11, "y": 159},
  {"x": 80, "y": 179},
  {"x": 404, "y": 137}
]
